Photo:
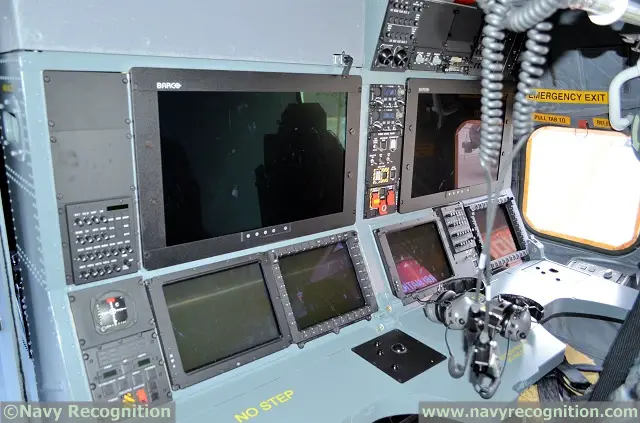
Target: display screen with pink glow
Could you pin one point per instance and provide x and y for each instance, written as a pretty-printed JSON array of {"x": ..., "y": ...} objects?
[
  {"x": 503, "y": 242},
  {"x": 419, "y": 257}
]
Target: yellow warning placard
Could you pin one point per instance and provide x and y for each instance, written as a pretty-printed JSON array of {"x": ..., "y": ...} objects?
[
  {"x": 570, "y": 96},
  {"x": 554, "y": 119},
  {"x": 602, "y": 123}
]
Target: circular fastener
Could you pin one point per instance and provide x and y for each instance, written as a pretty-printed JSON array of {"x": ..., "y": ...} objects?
[
  {"x": 389, "y": 309},
  {"x": 82, "y": 342},
  {"x": 92, "y": 386},
  {"x": 85, "y": 356},
  {"x": 72, "y": 298},
  {"x": 127, "y": 120},
  {"x": 47, "y": 79}
]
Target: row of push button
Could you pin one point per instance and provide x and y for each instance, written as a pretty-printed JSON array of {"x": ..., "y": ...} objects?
[
  {"x": 91, "y": 220},
  {"x": 99, "y": 255}
]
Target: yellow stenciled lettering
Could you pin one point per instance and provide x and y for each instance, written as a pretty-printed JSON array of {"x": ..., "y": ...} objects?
[
  {"x": 570, "y": 96},
  {"x": 265, "y": 405}
]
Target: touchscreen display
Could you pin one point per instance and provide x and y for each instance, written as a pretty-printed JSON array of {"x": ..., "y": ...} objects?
[
  {"x": 321, "y": 284},
  {"x": 419, "y": 257},
  {"x": 503, "y": 241},
  {"x": 219, "y": 315}
]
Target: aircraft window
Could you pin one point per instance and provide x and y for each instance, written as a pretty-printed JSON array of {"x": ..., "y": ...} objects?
[{"x": 581, "y": 186}]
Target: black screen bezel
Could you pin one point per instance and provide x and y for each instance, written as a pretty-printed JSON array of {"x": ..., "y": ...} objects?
[
  {"x": 146, "y": 128},
  {"x": 181, "y": 379},
  {"x": 515, "y": 225},
  {"x": 389, "y": 264},
  {"x": 415, "y": 87},
  {"x": 300, "y": 337}
]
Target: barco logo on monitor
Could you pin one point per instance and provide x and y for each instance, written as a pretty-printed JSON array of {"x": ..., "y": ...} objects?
[{"x": 168, "y": 85}]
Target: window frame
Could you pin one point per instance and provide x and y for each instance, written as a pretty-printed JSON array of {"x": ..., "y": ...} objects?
[{"x": 572, "y": 241}]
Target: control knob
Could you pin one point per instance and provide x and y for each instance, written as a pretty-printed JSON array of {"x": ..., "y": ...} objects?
[
  {"x": 94, "y": 273},
  {"x": 84, "y": 275},
  {"x": 79, "y": 222},
  {"x": 88, "y": 221},
  {"x": 96, "y": 219},
  {"x": 607, "y": 274}
]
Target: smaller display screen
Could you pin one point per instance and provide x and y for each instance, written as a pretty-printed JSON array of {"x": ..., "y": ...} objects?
[
  {"x": 388, "y": 115},
  {"x": 321, "y": 284},
  {"x": 219, "y": 315},
  {"x": 419, "y": 257},
  {"x": 503, "y": 240},
  {"x": 389, "y": 92}
]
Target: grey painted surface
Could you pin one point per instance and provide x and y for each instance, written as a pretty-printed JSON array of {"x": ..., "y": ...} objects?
[{"x": 279, "y": 31}]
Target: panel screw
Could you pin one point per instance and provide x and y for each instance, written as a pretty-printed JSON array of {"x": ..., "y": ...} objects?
[
  {"x": 132, "y": 188},
  {"x": 92, "y": 386},
  {"x": 82, "y": 342},
  {"x": 85, "y": 356},
  {"x": 351, "y": 131},
  {"x": 389, "y": 309},
  {"x": 53, "y": 139},
  {"x": 161, "y": 362},
  {"x": 153, "y": 335},
  {"x": 127, "y": 120},
  {"x": 59, "y": 196},
  {"x": 128, "y": 136},
  {"x": 380, "y": 327},
  {"x": 175, "y": 388},
  {"x": 407, "y": 167},
  {"x": 349, "y": 175},
  {"x": 60, "y": 211},
  {"x": 72, "y": 298},
  {"x": 51, "y": 123},
  {"x": 125, "y": 81},
  {"x": 47, "y": 79}
]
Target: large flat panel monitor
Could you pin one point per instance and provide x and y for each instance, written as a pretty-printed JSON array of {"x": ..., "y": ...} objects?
[
  {"x": 508, "y": 237},
  {"x": 416, "y": 257},
  {"x": 233, "y": 160},
  {"x": 216, "y": 318},
  {"x": 324, "y": 286},
  {"x": 440, "y": 155}
]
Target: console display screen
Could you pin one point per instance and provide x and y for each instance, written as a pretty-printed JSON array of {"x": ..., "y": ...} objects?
[
  {"x": 219, "y": 315},
  {"x": 419, "y": 257},
  {"x": 321, "y": 284},
  {"x": 238, "y": 161},
  {"x": 447, "y": 144},
  {"x": 503, "y": 241}
]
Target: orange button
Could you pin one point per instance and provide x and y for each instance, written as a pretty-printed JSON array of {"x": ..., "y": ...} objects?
[
  {"x": 375, "y": 200},
  {"x": 391, "y": 198},
  {"x": 141, "y": 395}
]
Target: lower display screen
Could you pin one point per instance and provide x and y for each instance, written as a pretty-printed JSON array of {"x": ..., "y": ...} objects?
[
  {"x": 321, "y": 284},
  {"x": 503, "y": 241},
  {"x": 419, "y": 257},
  {"x": 219, "y": 315}
]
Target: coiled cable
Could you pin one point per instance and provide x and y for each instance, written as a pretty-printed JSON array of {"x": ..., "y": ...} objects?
[
  {"x": 532, "y": 60},
  {"x": 531, "y": 13}
]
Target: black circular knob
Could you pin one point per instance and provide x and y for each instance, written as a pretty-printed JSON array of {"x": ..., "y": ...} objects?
[
  {"x": 107, "y": 253},
  {"x": 81, "y": 240},
  {"x": 91, "y": 256},
  {"x": 84, "y": 275},
  {"x": 94, "y": 273},
  {"x": 103, "y": 219},
  {"x": 114, "y": 252},
  {"x": 394, "y": 367},
  {"x": 79, "y": 222},
  {"x": 380, "y": 352},
  {"x": 117, "y": 269},
  {"x": 96, "y": 219},
  {"x": 129, "y": 249},
  {"x": 87, "y": 221},
  {"x": 123, "y": 250},
  {"x": 89, "y": 239},
  {"x": 82, "y": 257},
  {"x": 100, "y": 255},
  {"x": 108, "y": 269},
  {"x": 101, "y": 272},
  {"x": 98, "y": 238}
]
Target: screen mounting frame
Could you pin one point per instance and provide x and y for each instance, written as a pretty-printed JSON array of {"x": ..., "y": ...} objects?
[
  {"x": 301, "y": 337},
  {"x": 181, "y": 379},
  {"x": 146, "y": 130},
  {"x": 389, "y": 264},
  {"x": 519, "y": 231},
  {"x": 416, "y": 86}
]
